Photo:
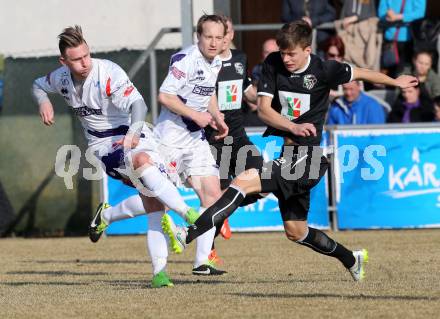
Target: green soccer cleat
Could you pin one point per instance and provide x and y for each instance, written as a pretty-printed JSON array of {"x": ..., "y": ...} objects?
[
  {"x": 176, "y": 234},
  {"x": 358, "y": 269},
  {"x": 160, "y": 280},
  {"x": 98, "y": 224},
  {"x": 191, "y": 216}
]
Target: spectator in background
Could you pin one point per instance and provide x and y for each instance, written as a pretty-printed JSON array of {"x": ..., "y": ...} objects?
[
  {"x": 269, "y": 46},
  {"x": 314, "y": 12},
  {"x": 334, "y": 49},
  {"x": 357, "y": 10},
  {"x": 358, "y": 30},
  {"x": 250, "y": 109},
  {"x": 412, "y": 106},
  {"x": 355, "y": 107},
  {"x": 422, "y": 69},
  {"x": 437, "y": 109},
  {"x": 389, "y": 11}
]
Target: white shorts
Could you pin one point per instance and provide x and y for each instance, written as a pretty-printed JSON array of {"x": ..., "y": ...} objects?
[
  {"x": 114, "y": 159},
  {"x": 185, "y": 162}
]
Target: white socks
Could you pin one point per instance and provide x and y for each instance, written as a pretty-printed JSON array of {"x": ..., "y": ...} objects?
[
  {"x": 164, "y": 190},
  {"x": 157, "y": 242},
  {"x": 204, "y": 245},
  {"x": 129, "y": 207}
]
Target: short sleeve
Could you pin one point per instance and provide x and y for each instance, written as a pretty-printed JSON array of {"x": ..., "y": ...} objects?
[
  {"x": 337, "y": 72},
  {"x": 177, "y": 75},
  {"x": 266, "y": 84},
  {"x": 47, "y": 83},
  {"x": 120, "y": 89}
]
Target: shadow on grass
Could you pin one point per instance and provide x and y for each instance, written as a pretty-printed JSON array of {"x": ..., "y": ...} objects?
[
  {"x": 320, "y": 295},
  {"x": 56, "y": 273},
  {"x": 45, "y": 283},
  {"x": 115, "y": 284},
  {"x": 102, "y": 261}
]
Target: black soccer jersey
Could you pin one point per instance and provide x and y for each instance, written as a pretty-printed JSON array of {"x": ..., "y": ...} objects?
[
  {"x": 302, "y": 97},
  {"x": 232, "y": 82}
]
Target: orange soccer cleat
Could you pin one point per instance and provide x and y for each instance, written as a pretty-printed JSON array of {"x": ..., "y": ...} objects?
[
  {"x": 225, "y": 231},
  {"x": 214, "y": 259}
]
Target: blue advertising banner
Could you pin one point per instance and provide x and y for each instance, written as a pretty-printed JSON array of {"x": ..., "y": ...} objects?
[
  {"x": 263, "y": 215},
  {"x": 387, "y": 178}
]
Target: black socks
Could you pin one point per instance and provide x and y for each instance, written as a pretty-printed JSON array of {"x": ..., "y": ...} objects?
[
  {"x": 321, "y": 243},
  {"x": 216, "y": 214}
]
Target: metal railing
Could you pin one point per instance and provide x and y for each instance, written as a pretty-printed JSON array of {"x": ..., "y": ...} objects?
[{"x": 149, "y": 53}]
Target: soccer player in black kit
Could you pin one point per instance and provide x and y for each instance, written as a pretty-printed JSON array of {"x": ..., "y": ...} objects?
[
  {"x": 293, "y": 101},
  {"x": 236, "y": 152}
]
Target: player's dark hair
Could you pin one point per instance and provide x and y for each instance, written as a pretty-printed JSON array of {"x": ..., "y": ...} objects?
[
  {"x": 294, "y": 33},
  {"x": 213, "y": 18},
  {"x": 71, "y": 37}
]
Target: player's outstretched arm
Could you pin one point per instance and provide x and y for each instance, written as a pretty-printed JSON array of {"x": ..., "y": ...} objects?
[
  {"x": 174, "y": 104},
  {"x": 403, "y": 81},
  {"x": 45, "y": 106}
]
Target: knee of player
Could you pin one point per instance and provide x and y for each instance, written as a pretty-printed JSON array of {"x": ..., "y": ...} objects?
[
  {"x": 141, "y": 159},
  {"x": 294, "y": 233},
  {"x": 248, "y": 181}
]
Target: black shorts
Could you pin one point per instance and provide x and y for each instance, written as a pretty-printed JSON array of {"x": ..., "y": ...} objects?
[
  {"x": 233, "y": 159},
  {"x": 291, "y": 177}
]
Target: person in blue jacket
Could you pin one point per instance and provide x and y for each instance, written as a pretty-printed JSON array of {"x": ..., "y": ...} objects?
[
  {"x": 389, "y": 11},
  {"x": 355, "y": 107}
]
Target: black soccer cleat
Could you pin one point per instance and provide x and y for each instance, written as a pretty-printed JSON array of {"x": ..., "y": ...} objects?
[{"x": 208, "y": 270}]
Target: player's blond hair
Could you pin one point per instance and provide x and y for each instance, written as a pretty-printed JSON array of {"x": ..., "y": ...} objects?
[{"x": 71, "y": 37}]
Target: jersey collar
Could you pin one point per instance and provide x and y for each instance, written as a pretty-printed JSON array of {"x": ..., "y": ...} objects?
[
  {"x": 228, "y": 57},
  {"x": 304, "y": 68}
]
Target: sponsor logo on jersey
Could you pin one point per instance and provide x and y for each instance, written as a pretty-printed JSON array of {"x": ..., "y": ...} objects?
[
  {"x": 128, "y": 90},
  {"x": 294, "y": 107},
  {"x": 200, "y": 76},
  {"x": 65, "y": 82},
  {"x": 239, "y": 68},
  {"x": 203, "y": 90},
  {"x": 309, "y": 81},
  {"x": 294, "y": 104},
  {"x": 231, "y": 93},
  {"x": 178, "y": 74},
  {"x": 85, "y": 111}
]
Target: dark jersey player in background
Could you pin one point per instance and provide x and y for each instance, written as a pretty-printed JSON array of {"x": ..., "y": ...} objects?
[
  {"x": 293, "y": 101},
  {"x": 236, "y": 151}
]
